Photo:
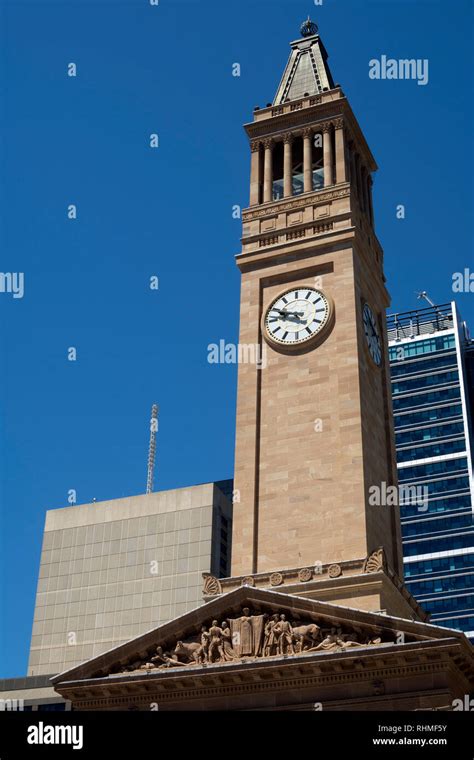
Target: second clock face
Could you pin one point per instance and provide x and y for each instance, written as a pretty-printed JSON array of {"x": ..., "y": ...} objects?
[
  {"x": 372, "y": 335},
  {"x": 296, "y": 316}
]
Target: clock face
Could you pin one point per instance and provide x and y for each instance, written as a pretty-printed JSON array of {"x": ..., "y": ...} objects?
[
  {"x": 372, "y": 335},
  {"x": 296, "y": 316}
]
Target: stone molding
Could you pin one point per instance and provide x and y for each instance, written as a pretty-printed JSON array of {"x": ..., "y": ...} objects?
[
  {"x": 306, "y": 199},
  {"x": 374, "y": 563},
  {"x": 307, "y": 130},
  {"x": 337, "y": 670}
]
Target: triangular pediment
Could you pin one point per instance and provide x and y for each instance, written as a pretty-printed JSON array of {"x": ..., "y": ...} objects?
[{"x": 252, "y": 624}]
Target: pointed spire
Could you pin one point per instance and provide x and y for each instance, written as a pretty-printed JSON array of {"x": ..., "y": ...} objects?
[{"x": 307, "y": 71}]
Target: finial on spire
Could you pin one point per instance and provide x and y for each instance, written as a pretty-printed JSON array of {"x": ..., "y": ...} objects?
[{"x": 308, "y": 28}]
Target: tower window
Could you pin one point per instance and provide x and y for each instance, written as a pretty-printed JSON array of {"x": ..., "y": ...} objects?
[
  {"x": 297, "y": 179},
  {"x": 317, "y": 162},
  {"x": 277, "y": 187}
]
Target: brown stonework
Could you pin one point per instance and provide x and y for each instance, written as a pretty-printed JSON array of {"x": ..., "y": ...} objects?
[
  {"x": 316, "y": 611},
  {"x": 339, "y": 657},
  {"x": 314, "y": 428}
]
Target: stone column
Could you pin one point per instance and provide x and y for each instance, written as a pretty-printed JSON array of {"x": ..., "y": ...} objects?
[
  {"x": 341, "y": 173},
  {"x": 287, "y": 165},
  {"x": 255, "y": 173},
  {"x": 308, "y": 160},
  {"x": 268, "y": 171},
  {"x": 327, "y": 150}
]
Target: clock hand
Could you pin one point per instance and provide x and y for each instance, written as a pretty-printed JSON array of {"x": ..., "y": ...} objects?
[{"x": 289, "y": 313}]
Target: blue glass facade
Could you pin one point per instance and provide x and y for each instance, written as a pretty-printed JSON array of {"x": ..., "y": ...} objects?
[{"x": 432, "y": 371}]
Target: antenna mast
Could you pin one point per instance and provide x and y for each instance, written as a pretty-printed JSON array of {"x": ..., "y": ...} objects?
[
  {"x": 424, "y": 295},
  {"x": 152, "y": 448}
]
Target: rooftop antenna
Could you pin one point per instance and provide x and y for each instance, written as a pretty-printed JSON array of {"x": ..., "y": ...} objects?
[
  {"x": 439, "y": 314},
  {"x": 152, "y": 448},
  {"x": 422, "y": 294}
]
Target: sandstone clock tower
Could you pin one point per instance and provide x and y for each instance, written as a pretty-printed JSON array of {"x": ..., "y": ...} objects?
[
  {"x": 314, "y": 429},
  {"x": 315, "y": 615}
]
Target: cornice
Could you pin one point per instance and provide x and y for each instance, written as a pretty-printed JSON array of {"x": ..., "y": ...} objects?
[
  {"x": 314, "y": 117},
  {"x": 301, "y": 201},
  {"x": 299, "y": 247},
  {"x": 295, "y": 122},
  {"x": 273, "y": 675}
]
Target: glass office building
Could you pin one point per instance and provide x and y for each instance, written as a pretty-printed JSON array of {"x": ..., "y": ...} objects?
[{"x": 432, "y": 372}]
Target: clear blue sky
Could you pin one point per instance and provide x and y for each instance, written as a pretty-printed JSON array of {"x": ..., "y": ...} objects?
[{"x": 167, "y": 212}]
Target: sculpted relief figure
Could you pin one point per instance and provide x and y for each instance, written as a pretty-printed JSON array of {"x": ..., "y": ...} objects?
[
  {"x": 228, "y": 651},
  {"x": 250, "y": 636},
  {"x": 247, "y": 634},
  {"x": 163, "y": 659},
  {"x": 216, "y": 644},
  {"x": 270, "y": 642},
  {"x": 202, "y": 652},
  {"x": 284, "y": 631},
  {"x": 188, "y": 652},
  {"x": 306, "y": 636},
  {"x": 337, "y": 641},
  {"x": 220, "y": 647}
]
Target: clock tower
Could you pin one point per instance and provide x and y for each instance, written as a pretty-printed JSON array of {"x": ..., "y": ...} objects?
[
  {"x": 315, "y": 615},
  {"x": 314, "y": 426}
]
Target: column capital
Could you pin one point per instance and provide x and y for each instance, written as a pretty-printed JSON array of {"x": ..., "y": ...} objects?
[
  {"x": 338, "y": 123},
  {"x": 307, "y": 132},
  {"x": 268, "y": 142},
  {"x": 288, "y": 137},
  {"x": 254, "y": 145},
  {"x": 326, "y": 127}
]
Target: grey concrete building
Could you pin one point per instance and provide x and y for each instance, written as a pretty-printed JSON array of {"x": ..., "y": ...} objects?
[
  {"x": 29, "y": 694},
  {"x": 114, "y": 569}
]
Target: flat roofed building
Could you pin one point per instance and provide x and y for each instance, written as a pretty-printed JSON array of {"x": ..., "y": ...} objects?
[
  {"x": 431, "y": 369},
  {"x": 29, "y": 694},
  {"x": 114, "y": 569}
]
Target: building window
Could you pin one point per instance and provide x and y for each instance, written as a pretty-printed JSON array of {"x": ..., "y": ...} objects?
[{"x": 419, "y": 347}]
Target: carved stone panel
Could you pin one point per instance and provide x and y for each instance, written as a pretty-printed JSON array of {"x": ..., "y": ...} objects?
[
  {"x": 276, "y": 579},
  {"x": 251, "y": 635},
  {"x": 375, "y": 562},
  {"x": 305, "y": 574},
  {"x": 211, "y": 586}
]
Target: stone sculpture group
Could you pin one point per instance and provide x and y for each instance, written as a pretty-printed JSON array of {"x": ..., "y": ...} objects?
[{"x": 248, "y": 637}]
